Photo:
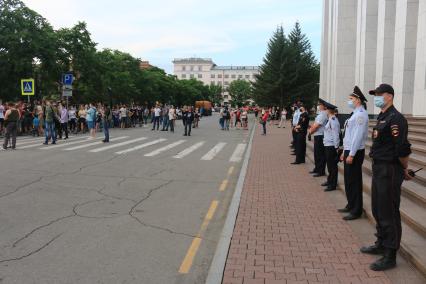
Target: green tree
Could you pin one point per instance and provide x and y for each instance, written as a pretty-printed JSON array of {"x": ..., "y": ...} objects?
[
  {"x": 289, "y": 70},
  {"x": 240, "y": 91},
  {"x": 27, "y": 49},
  {"x": 215, "y": 94}
]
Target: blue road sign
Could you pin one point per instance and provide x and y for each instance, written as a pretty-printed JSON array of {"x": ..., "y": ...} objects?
[
  {"x": 27, "y": 87},
  {"x": 67, "y": 79}
]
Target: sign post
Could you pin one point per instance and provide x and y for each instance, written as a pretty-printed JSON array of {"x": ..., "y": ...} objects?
[
  {"x": 27, "y": 88},
  {"x": 67, "y": 80}
]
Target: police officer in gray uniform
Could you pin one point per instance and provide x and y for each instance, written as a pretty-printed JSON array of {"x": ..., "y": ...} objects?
[
  {"x": 317, "y": 129},
  {"x": 356, "y": 133},
  {"x": 390, "y": 151},
  {"x": 331, "y": 145}
]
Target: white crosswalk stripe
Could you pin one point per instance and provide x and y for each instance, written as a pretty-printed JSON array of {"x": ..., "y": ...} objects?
[
  {"x": 94, "y": 143},
  {"x": 238, "y": 153},
  {"x": 40, "y": 143},
  {"x": 140, "y": 146},
  {"x": 117, "y": 145},
  {"x": 189, "y": 150},
  {"x": 81, "y": 140},
  {"x": 165, "y": 148},
  {"x": 213, "y": 152}
]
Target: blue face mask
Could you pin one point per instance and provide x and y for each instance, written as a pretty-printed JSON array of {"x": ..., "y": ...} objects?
[
  {"x": 379, "y": 101},
  {"x": 351, "y": 104}
]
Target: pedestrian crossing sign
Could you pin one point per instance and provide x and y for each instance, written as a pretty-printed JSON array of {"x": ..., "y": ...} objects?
[{"x": 27, "y": 87}]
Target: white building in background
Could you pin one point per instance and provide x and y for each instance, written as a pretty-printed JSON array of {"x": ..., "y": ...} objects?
[
  {"x": 205, "y": 70},
  {"x": 368, "y": 42}
]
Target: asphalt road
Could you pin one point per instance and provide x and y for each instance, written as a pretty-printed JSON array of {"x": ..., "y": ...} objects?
[{"x": 149, "y": 208}]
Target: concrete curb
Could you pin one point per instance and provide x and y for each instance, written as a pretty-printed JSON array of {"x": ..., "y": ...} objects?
[{"x": 217, "y": 267}]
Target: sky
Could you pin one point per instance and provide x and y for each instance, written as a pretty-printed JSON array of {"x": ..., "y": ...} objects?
[{"x": 231, "y": 32}]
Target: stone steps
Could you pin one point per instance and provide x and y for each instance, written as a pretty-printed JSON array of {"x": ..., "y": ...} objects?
[{"x": 413, "y": 213}]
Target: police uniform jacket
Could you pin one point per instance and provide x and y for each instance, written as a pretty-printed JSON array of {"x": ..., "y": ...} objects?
[
  {"x": 390, "y": 137},
  {"x": 332, "y": 132},
  {"x": 321, "y": 120},
  {"x": 356, "y": 131}
]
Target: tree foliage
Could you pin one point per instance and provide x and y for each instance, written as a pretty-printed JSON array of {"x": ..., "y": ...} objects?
[
  {"x": 289, "y": 71},
  {"x": 30, "y": 47},
  {"x": 240, "y": 92}
]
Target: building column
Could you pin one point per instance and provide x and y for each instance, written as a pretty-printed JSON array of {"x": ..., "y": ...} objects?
[
  {"x": 405, "y": 54},
  {"x": 324, "y": 49},
  {"x": 344, "y": 52},
  {"x": 419, "y": 99},
  {"x": 366, "y": 46}
]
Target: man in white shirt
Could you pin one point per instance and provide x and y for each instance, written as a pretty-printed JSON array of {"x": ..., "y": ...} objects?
[
  {"x": 123, "y": 116},
  {"x": 172, "y": 117},
  {"x": 157, "y": 114}
]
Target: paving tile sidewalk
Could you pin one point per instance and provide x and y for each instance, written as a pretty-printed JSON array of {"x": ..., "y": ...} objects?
[{"x": 287, "y": 230}]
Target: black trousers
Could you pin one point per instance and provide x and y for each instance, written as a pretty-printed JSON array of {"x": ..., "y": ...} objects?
[
  {"x": 11, "y": 131},
  {"x": 319, "y": 154},
  {"x": 385, "y": 201},
  {"x": 64, "y": 127},
  {"x": 332, "y": 160},
  {"x": 353, "y": 182},
  {"x": 300, "y": 147},
  {"x": 293, "y": 143},
  {"x": 188, "y": 126}
]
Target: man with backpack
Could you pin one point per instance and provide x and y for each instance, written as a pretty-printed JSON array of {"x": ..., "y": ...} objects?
[
  {"x": 226, "y": 118},
  {"x": 49, "y": 119}
]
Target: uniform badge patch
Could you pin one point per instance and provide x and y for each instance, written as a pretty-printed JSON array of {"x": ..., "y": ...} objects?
[{"x": 394, "y": 130}]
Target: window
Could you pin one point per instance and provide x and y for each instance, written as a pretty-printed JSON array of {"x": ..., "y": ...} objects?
[
  {"x": 233, "y": 76},
  {"x": 183, "y": 76},
  {"x": 191, "y": 76},
  {"x": 219, "y": 83},
  {"x": 247, "y": 76},
  {"x": 212, "y": 83},
  {"x": 200, "y": 68},
  {"x": 212, "y": 76},
  {"x": 225, "y": 96},
  {"x": 183, "y": 68},
  {"x": 226, "y": 76},
  {"x": 240, "y": 76},
  {"x": 226, "y": 83},
  {"x": 219, "y": 76},
  {"x": 200, "y": 76},
  {"x": 192, "y": 68}
]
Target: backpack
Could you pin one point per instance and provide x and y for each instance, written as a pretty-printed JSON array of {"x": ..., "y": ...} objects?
[{"x": 226, "y": 114}]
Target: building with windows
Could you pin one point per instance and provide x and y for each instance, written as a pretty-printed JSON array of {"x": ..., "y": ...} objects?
[
  {"x": 205, "y": 70},
  {"x": 368, "y": 42}
]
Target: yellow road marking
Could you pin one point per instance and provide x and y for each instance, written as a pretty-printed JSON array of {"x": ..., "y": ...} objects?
[
  {"x": 223, "y": 185},
  {"x": 196, "y": 242},
  {"x": 231, "y": 170}
]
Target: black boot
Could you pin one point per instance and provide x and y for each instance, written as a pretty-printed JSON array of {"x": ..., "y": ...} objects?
[
  {"x": 388, "y": 261},
  {"x": 374, "y": 249}
]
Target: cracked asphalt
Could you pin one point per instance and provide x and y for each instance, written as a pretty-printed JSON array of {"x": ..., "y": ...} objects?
[{"x": 79, "y": 217}]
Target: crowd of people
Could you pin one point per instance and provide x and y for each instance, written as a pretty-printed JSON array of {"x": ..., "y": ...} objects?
[
  {"x": 54, "y": 120},
  {"x": 389, "y": 153}
]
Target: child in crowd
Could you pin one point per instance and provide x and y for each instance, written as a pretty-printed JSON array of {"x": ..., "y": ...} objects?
[{"x": 36, "y": 124}]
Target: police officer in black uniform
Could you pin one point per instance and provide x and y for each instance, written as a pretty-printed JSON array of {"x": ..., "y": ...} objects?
[
  {"x": 301, "y": 130},
  {"x": 389, "y": 152}
]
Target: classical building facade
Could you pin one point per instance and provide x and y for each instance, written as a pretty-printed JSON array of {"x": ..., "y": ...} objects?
[
  {"x": 205, "y": 70},
  {"x": 368, "y": 42}
]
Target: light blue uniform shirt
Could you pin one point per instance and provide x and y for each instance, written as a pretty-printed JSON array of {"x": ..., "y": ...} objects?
[
  {"x": 321, "y": 119},
  {"x": 296, "y": 116},
  {"x": 356, "y": 131},
  {"x": 331, "y": 133}
]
